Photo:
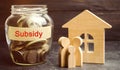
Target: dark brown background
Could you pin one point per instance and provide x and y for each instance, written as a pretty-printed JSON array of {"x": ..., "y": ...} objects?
[{"x": 63, "y": 10}]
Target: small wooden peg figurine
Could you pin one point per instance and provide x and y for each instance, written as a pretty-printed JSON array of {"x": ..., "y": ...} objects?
[
  {"x": 71, "y": 57},
  {"x": 75, "y": 56},
  {"x": 63, "y": 53},
  {"x": 76, "y": 42}
]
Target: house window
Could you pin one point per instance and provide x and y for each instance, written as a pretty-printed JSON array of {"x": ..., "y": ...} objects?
[
  {"x": 90, "y": 36},
  {"x": 88, "y": 42},
  {"x": 91, "y": 47},
  {"x": 83, "y": 46},
  {"x": 82, "y": 36}
]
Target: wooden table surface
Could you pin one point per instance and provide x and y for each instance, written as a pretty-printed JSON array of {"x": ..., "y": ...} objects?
[{"x": 112, "y": 59}]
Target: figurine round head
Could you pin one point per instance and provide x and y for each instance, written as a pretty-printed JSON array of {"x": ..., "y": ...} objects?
[
  {"x": 71, "y": 49},
  {"x": 64, "y": 41},
  {"x": 77, "y": 41}
]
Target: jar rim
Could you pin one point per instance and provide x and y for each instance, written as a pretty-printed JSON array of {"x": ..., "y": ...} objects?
[{"x": 29, "y": 8}]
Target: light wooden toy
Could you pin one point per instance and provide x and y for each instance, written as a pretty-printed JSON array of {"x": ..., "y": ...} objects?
[
  {"x": 93, "y": 30},
  {"x": 63, "y": 53},
  {"x": 76, "y": 42},
  {"x": 71, "y": 57}
]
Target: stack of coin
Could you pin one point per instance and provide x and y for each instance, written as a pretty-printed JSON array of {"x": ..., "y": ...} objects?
[{"x": 29, "y": 51}]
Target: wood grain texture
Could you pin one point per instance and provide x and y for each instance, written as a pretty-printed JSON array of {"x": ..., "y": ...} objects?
[
  {"x": 77, "y": 42},
  {"x": 88, "y": 25},
  {"x": 71, "y": 57},
  {"x": 63, "y": 52}
]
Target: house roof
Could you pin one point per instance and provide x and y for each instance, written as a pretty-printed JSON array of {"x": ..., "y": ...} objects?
[{"x": 86, "y": 19}]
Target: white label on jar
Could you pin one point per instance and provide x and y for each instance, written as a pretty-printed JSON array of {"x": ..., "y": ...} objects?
[{"x": 29, "y": 34}]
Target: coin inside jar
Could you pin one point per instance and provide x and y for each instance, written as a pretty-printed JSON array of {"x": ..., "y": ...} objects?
[
  {"x": 45, "y": 47},
  {"x": 17, "y": 45},
  {"x": 43, "y": 55},
  {"x": 21, "y": 21},
  {"x": 33, "y": 20},
  {"x": 18, "y": 56},
  {"x": 35, "y": 44},
  {"x": 29, "y": 34},
  {"x": 39, "y": 51},
  {"x": 32, "y": 56}
]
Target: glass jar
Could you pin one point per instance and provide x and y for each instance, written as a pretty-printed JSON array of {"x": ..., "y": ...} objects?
[{"x": 29, "y": 34}]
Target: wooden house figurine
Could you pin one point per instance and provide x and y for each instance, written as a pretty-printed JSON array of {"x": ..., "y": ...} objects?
[{"x": 92, "y": 29}]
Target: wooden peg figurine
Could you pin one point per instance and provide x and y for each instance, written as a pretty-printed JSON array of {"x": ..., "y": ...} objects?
[
  {"x": 71, "y": 57},
  {"x": 63, "y": 53},
  {"x": 76, "y": 42}
]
